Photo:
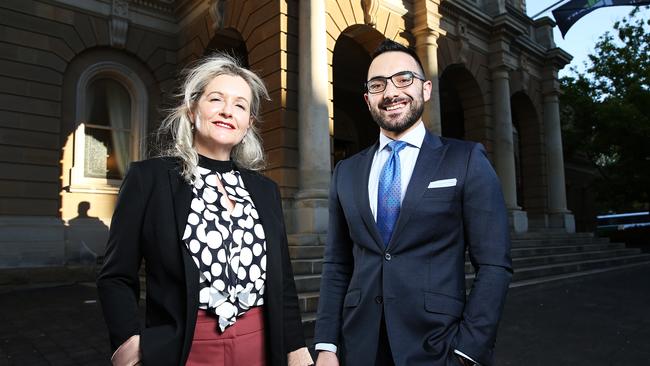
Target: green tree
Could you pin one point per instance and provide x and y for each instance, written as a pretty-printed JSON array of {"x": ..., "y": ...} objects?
[{"x": 606, "y": 114}]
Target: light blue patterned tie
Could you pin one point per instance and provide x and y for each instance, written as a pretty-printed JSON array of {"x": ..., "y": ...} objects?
[{"x": 390, "y": 192}]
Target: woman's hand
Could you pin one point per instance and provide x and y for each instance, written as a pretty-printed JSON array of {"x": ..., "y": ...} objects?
[
  {"x": 128, "y": 353},
  {"x": 299, "y": 357}
]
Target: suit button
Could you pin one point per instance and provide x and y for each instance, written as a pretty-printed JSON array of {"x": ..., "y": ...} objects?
[
  {"x": 387, "y": 256},
  {"x": 379, "y": 299}
]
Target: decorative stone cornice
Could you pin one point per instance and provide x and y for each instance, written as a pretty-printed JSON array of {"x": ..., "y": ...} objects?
[
  {"x": 543, "y": 28},
  {"x": 119, "y": 23},
  {"x": 555, "y": 60},
  {"x": 162, "y": 6}
]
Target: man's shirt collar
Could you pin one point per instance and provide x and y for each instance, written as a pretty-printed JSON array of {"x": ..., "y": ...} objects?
[{"x": 413, "y": 137}]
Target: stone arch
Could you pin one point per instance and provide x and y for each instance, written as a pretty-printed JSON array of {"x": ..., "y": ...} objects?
[
  {"x": 463, "y": 110},
  {"x": 237, "y": 27},
  {"x": 352, "y": 127},
  {"x": 229, "y": 41},
  {"x": 529, "y": 155},
  {"x": 356, "y": 27}
]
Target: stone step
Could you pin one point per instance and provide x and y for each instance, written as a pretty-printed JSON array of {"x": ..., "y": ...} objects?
[
  {"x": 306, "y": 251},
  {"x": 548, "y": 250},
  {"x": 536, "y": 272},
  {"x": 307, "y": 266},
  {"x": 572, "y": 257},
  {"x": 563, "y": 268},
  {"x": 306, "y": 239},
  {"x": 549, "y": 234},
  {"x": 307, "y": 283},
  {"x": 308, "y": 301},
  {"x": 558, "y": 241},
  {"x": 531, "y": 261}
]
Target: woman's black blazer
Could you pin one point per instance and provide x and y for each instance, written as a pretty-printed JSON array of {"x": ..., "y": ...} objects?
[{"x": 148, "y": 222}]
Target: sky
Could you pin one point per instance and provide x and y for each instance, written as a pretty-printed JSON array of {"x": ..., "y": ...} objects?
[{"x": 583, "y": 35}]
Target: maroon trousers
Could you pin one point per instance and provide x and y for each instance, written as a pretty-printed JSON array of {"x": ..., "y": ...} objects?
[{"x": 240, "y": 344}]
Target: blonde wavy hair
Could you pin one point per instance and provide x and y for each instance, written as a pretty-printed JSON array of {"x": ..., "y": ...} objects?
[{"x": 176, "y": 128}]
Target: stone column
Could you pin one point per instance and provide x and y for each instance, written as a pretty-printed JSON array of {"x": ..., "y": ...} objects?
[
  {"x": 313, "y": 121},
  {"x": 504, "y": 157},
  {"x": 559, "y": 216},
  {"x": 426, "y": 31}
]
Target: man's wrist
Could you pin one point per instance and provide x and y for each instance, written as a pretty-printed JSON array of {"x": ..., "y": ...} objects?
[{"x": 330, "y": 347}]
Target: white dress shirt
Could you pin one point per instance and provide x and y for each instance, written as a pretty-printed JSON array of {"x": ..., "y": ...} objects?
[{"x": 407, "y": 158}]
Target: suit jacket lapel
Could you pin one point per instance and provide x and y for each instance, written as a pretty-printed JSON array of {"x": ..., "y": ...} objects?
[
  {"x": 426, "y": 166},
  {"x": 360, "y": 183}
]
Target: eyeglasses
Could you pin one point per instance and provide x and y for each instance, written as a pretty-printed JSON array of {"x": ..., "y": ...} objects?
[{"x": 401, "y": 79}]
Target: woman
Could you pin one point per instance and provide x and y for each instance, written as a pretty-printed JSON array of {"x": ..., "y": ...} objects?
[{"x": 220, "y": 288}]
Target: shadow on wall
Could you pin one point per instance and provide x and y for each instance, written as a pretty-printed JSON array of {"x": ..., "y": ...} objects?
[{"x": 85, "y": 237}]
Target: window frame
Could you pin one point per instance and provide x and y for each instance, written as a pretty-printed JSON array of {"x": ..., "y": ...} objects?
[{"x": 139, "y": 104}]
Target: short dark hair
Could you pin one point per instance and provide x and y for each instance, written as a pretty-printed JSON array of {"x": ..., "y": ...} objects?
[{"x": 388, "y": 45}]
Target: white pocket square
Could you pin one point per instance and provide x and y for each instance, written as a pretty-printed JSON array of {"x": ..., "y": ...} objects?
[{"x": 443, "y": 183}]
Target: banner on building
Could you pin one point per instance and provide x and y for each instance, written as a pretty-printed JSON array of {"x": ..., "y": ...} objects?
[{"x": 569, "y": 13}]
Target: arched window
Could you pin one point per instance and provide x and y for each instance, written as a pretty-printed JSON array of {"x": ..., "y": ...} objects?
[
  {"x": 107, "y": 130},
  {"x": 111, "y": 123}
]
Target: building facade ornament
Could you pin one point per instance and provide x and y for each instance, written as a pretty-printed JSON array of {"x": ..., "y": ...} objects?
[
  {"x": 119, "y": 23},
  {"x": 370, "y": 8},
  {"x": 216, "y": 8},
  {"x": 524, "y": 72},
  {"x": 463, "y": 42}
]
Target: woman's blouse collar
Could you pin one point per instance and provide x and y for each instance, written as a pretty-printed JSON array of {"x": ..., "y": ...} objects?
[{"x": 221, "y": 166}]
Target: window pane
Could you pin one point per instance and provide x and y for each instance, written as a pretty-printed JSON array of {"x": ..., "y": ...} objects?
[
  {"x": 108, "y": 137},
  {"x": 109, "y": 104},
  {"x": 102, "y": 158}
]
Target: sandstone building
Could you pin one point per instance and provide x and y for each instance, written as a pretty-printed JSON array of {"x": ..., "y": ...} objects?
[{"x": 83, "y": 84}]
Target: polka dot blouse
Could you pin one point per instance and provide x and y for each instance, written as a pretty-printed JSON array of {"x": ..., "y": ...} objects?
[{"x": 228, "y": 247}]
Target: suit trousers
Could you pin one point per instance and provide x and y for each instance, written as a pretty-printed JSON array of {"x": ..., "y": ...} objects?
[{"x": 242, "y": 343}]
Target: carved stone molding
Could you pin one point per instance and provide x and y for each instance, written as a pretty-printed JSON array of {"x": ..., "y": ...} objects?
[
  {"x": 463, "y": 42},
  {"x": 524, "y": 72},
  {"x": 119, "y": 23},
  {"x": 370, "y": 8},
  {"x": 216, "y": 8}
]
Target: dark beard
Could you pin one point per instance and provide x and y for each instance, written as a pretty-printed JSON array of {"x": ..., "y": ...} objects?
[{"x": 416, "y": 109}]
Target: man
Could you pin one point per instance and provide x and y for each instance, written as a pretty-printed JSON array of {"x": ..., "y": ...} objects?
[{"x": 402, "y": 213}]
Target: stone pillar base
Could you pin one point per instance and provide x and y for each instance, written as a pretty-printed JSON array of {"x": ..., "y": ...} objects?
[
  {"x": 562, "y": 220},
  {"x": 310, "y": 212},
  {"x": 31, "y": 241},
  {"x": 518, "y": 220}
]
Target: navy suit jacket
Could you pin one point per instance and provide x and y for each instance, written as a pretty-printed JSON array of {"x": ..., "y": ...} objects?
[
  {"x": 418, "y": 280},
  {"x": 149, "y": 219}
]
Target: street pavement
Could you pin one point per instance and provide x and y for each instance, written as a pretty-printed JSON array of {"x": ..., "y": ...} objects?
[{"x": 601, "y": 319}]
